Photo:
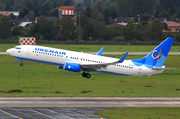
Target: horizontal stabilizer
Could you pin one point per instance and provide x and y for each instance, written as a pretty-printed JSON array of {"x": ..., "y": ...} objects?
[{"x": 162, "y": 68}]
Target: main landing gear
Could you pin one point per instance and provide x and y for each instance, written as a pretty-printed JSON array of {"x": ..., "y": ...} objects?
[{"x": 87, "y": 75}]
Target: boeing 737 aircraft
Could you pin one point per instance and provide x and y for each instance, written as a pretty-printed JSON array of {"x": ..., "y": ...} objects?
[{"x": 79, "y": 61}]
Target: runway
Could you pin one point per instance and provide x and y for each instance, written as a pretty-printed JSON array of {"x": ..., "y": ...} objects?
[
  {"x": 73, "y": 108},
  {"x": 89, "y": 102}
]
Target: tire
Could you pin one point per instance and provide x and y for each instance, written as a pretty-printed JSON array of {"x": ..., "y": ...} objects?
[
  {"x": 21, "y": 64},
  {"x": 88, "y": 76}
]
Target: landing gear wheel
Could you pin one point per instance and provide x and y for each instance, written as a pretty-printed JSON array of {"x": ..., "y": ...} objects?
[
  {"x": 84, "y": 74},
  {"x": 88, "y": 76},
  {"x": 21, "y": 64}
]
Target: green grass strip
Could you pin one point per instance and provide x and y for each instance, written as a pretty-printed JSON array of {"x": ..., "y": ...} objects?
[
  {"x": 96, "y": 48},
  {"x": 36, "y": 80},
  {"x": 141, "y": 113}
]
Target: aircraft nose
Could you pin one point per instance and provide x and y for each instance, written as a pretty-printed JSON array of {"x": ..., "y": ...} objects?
[{"x": 7, "y": 51}]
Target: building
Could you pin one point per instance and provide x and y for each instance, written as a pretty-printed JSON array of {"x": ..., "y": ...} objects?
[
  {"x": 121, "y": 25},
  {"x": 172, "y": 26},
  {"x": 48, "y": 19},
  {"x": 66, "y": 11},
  {"x": 8, "y": 13},
  {"x": 25, "y": 21}
]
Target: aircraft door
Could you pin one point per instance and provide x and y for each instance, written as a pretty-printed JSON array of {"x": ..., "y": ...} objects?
[
  {"x": 28, "y": 51},
  {"x": 139, "y": 70}
]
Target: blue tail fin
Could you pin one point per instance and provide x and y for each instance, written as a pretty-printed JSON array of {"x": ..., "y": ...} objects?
[{"x": 156, "y": 57}]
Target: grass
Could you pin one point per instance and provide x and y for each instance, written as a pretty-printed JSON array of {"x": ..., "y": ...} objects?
[
  {"x": 96, "y": 48},
  {"x": 142, "y": 113},
  {"x": 35, "y": 80}
]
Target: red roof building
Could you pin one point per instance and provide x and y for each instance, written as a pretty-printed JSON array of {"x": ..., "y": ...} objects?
[
  {"x": 5, "y": 13},
  {"x": 172, "y": 26},
  {"x": 67, "y": 10}
]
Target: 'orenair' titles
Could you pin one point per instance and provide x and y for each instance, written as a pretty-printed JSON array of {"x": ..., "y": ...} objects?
[{"x": 50, "y": 51}]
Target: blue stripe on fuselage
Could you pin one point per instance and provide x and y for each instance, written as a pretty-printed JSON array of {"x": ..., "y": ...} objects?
[
  {"x": 39, "y": 61},
  {"x": 61, "y": 66}
]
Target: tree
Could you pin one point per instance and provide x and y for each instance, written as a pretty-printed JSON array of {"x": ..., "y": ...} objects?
[
  {"x": 114, "y": 15},
  {"x": 153, "y": 30},
  {"x": 93, "y": 29},
  {"x": 68, "y": 2},
  {"x": 35, "y": 30},
  {"x": 41, "y": 21},
  {"x": 165, "y": 14},
  {"x": 55, "y": 13},
  {"x": 171, "y": 6},
  {"x": 32, "y": 15},
  {"x": 106, "y": 16},
  {"x": 88, "y": 32},
  {"x": 68, "y": 28},
  {"x": 16, "y": 30},
  {"x": 129, "y": 8},
  {"x": 36, "y": 12},
  {"x": 132, "y": 31},
  {"x": 47, "y": 6},
  {"x": 88, "y": 12},
  {"x": 157, "y": 29},
  {"x": 30, "y": 6},
  {"x": 109, "y": 33},
  {"x": 48, "y": 31},
  {"x": 165, "y": 26},
  {"x": 23, "y": 13},
  {"x": 4, "y": 27},
  {"x": 97, "y": 15},
  {"x": 18, "y": 6},
  {"x": 83, "y": 19},
  {"x": 9, "y": 5}
]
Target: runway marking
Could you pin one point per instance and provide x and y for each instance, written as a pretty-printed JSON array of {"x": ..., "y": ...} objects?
[
  {"x": 43, "y": 114},
  {"x": 11, "y": 114}
]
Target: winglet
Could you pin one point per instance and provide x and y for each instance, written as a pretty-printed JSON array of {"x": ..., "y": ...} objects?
[
  {"x": 123, "y": 58},
  {"x": 101, "y": 51}
]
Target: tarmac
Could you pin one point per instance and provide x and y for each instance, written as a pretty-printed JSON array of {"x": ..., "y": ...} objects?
[{"x": 73, "y": 108}]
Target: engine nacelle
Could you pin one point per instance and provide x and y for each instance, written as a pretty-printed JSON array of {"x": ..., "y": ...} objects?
[{"x": 72, "y": 67}]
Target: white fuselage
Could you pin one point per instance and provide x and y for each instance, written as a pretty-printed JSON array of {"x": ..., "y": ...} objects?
[{"x": 59, "y": 57}]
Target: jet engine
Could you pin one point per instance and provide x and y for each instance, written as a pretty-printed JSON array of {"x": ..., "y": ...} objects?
[{"x": 72, "y": 67}]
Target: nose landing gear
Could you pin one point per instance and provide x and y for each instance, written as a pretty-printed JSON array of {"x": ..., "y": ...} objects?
[{"x": 21, "y": 64}]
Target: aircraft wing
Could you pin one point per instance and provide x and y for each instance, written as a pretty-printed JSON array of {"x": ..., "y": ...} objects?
[{"x": 104, "y": 65}]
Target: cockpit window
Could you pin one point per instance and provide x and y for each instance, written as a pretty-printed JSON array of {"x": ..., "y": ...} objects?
[{"x": 18, "y": 48}]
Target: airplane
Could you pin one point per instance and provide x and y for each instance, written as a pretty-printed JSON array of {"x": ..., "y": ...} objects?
[{"x": 79, "y": 61}]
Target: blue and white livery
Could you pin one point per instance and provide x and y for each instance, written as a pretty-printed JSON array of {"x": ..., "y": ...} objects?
[{"x": 79, "y": 61}]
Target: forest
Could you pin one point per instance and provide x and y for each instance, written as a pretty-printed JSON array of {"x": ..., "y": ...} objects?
[{"x": 92, "y": 21}]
